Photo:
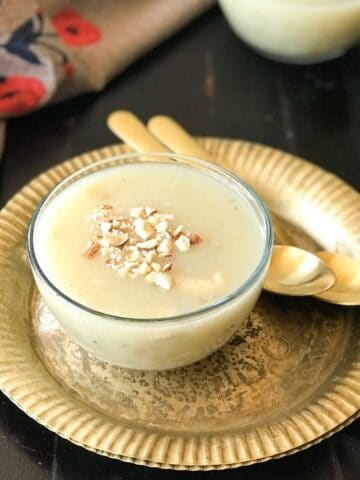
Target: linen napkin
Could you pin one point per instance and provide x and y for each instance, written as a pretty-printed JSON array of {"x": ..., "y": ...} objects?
[{"x": 54, "y": 49}]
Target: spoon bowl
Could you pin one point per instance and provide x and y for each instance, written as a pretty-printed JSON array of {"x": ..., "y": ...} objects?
[
  {"x": 296, "y": 272},
  {"x": 346, "y": 290}
]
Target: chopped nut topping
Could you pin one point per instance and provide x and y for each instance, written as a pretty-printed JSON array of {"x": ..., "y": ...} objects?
[
  {"x": 183, "y": 243},
  {"x": 165, "y": 247},
  {"x": 177, "y": 232},
  {"x": 150, "y": 211},
  {"x": 162, "y": 226},
  {"x": 143, "y": 229},
  {"x": 136, "y": 212},
  {"x": 143, "y": 268},
  {"x": 124, "y": 270},
  {"x": 134, "y": 255},
  {"x": 151, "y": 277},
  {"x": 116, "y": 239},
  {"x": 194, "y": 238},
  {"x": 155, "y": 266},
  {"x": 167, "y": 267},
  {"x": 104, "y": 243},
  {"x": 140, "y": 244},
  {"x": 105, "y": 227},
  {"x": 91, "y": 249},
  {"x": 150, "y": 256},
  {"x": 154, "y": 220},
  {"x": 163, "y": 280},
  {"x": 149, "y": 244}
]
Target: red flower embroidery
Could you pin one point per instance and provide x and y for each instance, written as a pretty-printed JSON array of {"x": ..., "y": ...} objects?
[
  {"x": 20, "y": 94},
  {"x": 75, "y": 30}
]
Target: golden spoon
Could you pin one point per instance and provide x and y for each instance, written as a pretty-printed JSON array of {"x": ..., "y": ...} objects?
[
  {"x": 345, "y": 291},
  {"x": 292, "y": 271}
]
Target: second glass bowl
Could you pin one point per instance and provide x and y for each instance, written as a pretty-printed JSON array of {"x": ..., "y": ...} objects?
[{"x": 296, "y": 31}]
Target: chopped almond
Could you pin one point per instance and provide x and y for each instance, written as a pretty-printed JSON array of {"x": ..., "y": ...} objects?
[
  {"x": 149, "y": 244},
  {"x": 134, "y": 255},
  {"x": 106, "y": 206},
  {"x": 151, "y": 277},
  {"x": 177, "y": 232},
  {"x": 91, "y": 249},
  {"x": 194, "y": 238},
  {"x": 154, "y": 219},
  {"x": 165, "y": 247},
  {"x": 137, "y": 212},
  {"x": 155, "y": 266},
  {"x": 143, "y": 269},
  {"x": 183, "y": 243},
  {"x": 163, "y": 280},
  {"x": 167, "y": 267},
  {"x": 117, "y": 240},
  {"x": 105, "y": 227},
  {"x": 150, "y": 211},
  {"x": 143, "y": 229},
  {"x": 162, "y": 226}
]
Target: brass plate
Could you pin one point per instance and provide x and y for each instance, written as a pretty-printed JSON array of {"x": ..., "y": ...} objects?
[{"x": 289, "y": 378}]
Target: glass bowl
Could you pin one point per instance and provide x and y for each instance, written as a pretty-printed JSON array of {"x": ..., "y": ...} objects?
[
  {"x": 296, "y": 31},
  {"x": 155, "y": 343}
]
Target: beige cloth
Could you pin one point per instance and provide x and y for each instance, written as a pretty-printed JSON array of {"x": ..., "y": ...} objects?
[{"x": 54, "y": 49}]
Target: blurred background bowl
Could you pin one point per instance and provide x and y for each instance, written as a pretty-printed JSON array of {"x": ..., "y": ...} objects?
[{"x": 296, "y": 31}]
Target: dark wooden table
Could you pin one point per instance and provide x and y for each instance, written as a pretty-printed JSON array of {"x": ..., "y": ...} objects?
[{"x": 206, "y": 78}]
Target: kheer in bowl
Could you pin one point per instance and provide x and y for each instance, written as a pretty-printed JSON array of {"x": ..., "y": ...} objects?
[{"x": 150, "y": 261}]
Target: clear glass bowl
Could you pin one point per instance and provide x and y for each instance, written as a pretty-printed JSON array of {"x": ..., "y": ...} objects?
[
  {"x": 296, "y": 31},
  {"x": 155, "y": 343}
]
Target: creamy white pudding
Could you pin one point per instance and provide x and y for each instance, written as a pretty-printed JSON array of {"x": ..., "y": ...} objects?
[
  {"x": 298, "y": 31},
  {"x": 147, "y": 242}
]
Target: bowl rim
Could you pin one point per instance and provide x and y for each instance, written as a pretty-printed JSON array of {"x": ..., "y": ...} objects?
[{"x": 193, "y": 162}]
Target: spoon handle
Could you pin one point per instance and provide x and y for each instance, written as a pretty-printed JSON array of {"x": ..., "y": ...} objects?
[
  {"x": 174, "y": 136},
  {"x": 132, "y": 131}
]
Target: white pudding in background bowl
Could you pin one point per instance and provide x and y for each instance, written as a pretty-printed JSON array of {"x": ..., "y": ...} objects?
[
  {"x": 296, "y": 31},
  {"x": 150, "y": 262}
]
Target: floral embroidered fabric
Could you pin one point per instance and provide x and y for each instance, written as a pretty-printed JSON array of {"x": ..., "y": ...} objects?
[{"x": 53, "y": 49}]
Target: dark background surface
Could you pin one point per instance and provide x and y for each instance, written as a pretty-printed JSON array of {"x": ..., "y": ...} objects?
[{"x": 208, "y": 80}]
